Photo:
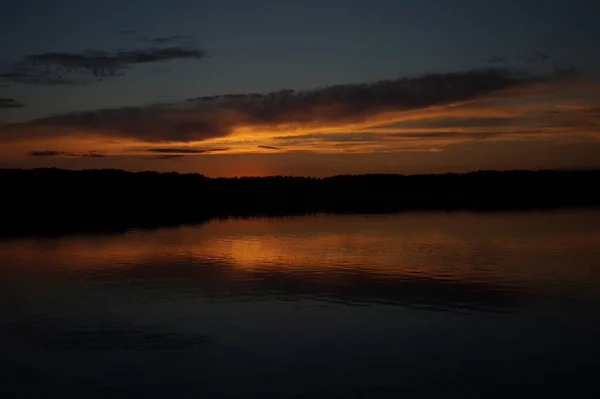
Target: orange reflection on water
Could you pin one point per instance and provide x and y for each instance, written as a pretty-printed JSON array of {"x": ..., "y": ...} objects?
[{"x": 445, "y": 246}]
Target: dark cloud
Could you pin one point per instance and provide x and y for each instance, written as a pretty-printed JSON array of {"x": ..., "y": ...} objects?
[
  {"x": 216, "y": 116},
  {"x": 171, "y": 39},
  {"x": 50, "y": 153},
  {"x": 92, "y": 155},
  {"x": 535, "y": 57},
  {"x": 185, "y": 150},
  {"x": 161, "y": 70},
  {"x": 441, "y": 135},
  {"x": 495, "y": 59},
  {"x": 461, "y": 122},
  {"x": 165, "y": 157},
  {"x": 268, "y": 147},
  {"x": 566, "y": 72},
  {"x": 46, "y": 153},
  {"x": 149, "y": 123},
  {"x": 6, "y": 103},
  {"x": 137, "y": 31},
  {"x": 387, "y": 137},
  {"x": 336, "y": 137},
  {"x": 162, "y": 54},
  {"x": 56, "y": 68}
]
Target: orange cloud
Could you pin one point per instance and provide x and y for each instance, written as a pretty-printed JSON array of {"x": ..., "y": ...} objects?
[{"x": 425, "y": 113}]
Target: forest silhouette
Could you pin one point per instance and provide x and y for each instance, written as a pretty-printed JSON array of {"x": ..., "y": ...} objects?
[{"x": 53, "y": 201}]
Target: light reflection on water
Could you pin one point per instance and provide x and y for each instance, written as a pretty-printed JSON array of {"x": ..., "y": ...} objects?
[{"x": 322, "y": 306}]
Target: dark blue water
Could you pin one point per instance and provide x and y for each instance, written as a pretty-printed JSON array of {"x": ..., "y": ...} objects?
[{"x": 408, "y": 305}]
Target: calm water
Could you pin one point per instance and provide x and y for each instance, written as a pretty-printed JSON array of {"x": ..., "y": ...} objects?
[{"x": 407, "y": 305}]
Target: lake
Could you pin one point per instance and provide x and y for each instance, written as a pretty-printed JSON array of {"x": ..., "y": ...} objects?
[{"x": 325, "y": 306}]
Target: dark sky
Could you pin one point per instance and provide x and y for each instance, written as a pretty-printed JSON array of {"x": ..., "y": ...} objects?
[{"x": 378, "y": 86}]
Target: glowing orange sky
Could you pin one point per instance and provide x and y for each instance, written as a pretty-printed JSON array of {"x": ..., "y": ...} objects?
[{"x": 449, "y": 137}]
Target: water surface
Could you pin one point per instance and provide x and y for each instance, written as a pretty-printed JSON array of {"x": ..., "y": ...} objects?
[{"x": 322, "y": 306}]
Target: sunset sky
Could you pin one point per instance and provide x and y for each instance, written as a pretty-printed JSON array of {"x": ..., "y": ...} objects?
[{"x": 311, "y": 87}]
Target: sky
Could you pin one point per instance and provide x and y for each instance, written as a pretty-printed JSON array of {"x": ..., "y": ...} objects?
[{"x": 312, "y": 87}]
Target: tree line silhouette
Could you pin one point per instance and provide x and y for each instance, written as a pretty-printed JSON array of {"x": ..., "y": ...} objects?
[{"x": 57, "y": 200}]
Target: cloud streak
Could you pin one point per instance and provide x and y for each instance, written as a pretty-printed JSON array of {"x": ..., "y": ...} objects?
[
  {"x": 137, "y": 31},
  {"x": 52, "y": 153},
  {"x": 10, "y": 103},
  {"x": 419, "y": 113},
  {"x": 495, "y": 59},
  {"x": 171, "y": 39},
  {"x": 165, "y": 157},
  {"x": 535, "y": 57},
  {"x": 206, "y": 118},
  {"x": 62, "y": 68},
  {"x": 185, "y": 150}
]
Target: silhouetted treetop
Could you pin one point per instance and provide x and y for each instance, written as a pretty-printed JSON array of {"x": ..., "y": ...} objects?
[{"x": 88, "y": 199}]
